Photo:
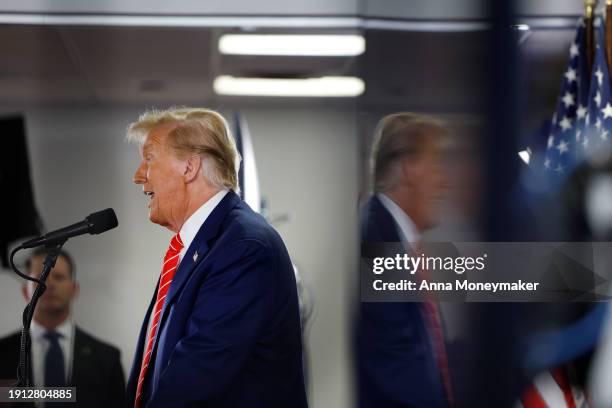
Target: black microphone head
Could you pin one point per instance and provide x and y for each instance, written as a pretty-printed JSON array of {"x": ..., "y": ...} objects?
[{"x": 102, "y": 221}]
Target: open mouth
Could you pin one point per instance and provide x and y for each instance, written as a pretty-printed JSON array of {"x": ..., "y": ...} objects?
[{"x": 149, "y": 194}]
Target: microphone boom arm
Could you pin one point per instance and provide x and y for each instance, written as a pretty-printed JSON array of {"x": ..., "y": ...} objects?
[{"x": 23, "y": 372}]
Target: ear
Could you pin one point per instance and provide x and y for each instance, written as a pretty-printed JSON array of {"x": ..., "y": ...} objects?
[
  {"x": 25, "y": 292},
  {"x": 409, "y": 173},
  {"x": 76, "y": 291},
  {"x": 192, "y": 168}
]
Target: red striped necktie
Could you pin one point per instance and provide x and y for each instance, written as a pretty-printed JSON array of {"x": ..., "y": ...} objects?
[
  {"x": 433, "y": 321},
  {"x": 544, "y": 392},
  {"x": 171, "y": 261},
  {"x": 432, "y": 314}
]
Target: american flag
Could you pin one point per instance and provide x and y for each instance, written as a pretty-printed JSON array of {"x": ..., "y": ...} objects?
[
  {"x": 572, "y": 105},
  {"x": 581, "y": 126},
  {"x": 596, "y": 126}
]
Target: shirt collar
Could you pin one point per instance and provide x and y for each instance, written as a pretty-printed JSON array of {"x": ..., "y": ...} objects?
[
  {"x": 37, "y": 330},
  {"x": 408, "y": 231},
  {"x": 194, "y": 222}
]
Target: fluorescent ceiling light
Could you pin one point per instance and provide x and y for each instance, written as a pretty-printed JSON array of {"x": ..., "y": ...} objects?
[
  {"x": 309, "y": 87},
  {"x": 292, "y": 45}
]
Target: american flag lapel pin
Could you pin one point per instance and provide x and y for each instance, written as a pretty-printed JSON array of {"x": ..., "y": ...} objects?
[{"x": 195, "y": 256}]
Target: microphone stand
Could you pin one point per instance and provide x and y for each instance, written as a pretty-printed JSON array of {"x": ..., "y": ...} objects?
[{"x": 23, "y": 371}]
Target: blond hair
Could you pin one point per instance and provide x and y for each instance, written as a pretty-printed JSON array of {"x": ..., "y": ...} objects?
[
  {"x": 396, "y": 136},
  {"x": 197, "y": 131}
]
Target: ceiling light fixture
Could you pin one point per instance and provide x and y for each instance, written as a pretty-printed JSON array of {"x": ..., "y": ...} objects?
[
  {"x": 292, "y": 45},
  {"x": 329, "y": 86}
]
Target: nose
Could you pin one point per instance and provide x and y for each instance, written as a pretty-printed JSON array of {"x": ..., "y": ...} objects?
[{"x": 140, "y": 177}]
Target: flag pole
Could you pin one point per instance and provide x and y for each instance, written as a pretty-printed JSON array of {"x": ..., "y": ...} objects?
[
  {"x": 589, "y": 11},
  {"x": 609, "y": 35}
]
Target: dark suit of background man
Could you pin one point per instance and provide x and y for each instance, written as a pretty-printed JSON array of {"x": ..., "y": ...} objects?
[
  {"x": 223, "y": 326},
  {"x": 61, "y": 353},
  {"x": 401, "y": 358}
]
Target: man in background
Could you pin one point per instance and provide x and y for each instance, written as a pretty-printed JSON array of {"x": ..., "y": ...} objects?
[
  {"x": 63, "y": 355},
  {"x": 401, "y": 353},
  {"x": 223, "y": 326}
]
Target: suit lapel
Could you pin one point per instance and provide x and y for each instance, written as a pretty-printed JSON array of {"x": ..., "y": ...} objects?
[
  {"x": 82, "y": 365},
  {"x": 201, "y": 246}
]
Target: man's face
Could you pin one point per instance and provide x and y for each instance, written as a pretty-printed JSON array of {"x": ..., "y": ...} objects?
[
  {"x": 61, "y": 288},
  {"x": 428, "y": 178},
  {"x": 161, "y": 175}
]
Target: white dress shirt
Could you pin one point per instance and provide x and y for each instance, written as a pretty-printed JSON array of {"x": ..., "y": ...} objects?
[
  {"x": 191, "y": 227},
  {"x": 409, "y": 234},
  {"x": 40, "y": 345}
]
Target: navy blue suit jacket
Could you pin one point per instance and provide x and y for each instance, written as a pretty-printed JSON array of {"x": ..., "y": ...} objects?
[
  {"x": 229, "y": 333},
  {"x": 395, "y": 360}
]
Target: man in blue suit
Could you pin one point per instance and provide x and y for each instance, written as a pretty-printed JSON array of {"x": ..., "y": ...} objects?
[
  {"x": 223, "y": 327},
  {"x": 401, "y": 357}
]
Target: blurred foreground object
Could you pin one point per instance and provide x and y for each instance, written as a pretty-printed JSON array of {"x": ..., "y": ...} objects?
[{"x": 21, "y": 218}]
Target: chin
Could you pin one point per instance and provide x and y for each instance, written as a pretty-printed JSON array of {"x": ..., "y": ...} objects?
[
  {"x": 53, "y": 308},
  {"x": 430, "y": 222},
  {"x": 153, "y": 217},
  {"x": 159, "y": 221}
]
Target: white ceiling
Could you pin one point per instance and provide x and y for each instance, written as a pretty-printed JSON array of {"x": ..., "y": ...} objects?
[
  {"x": 434, "y": 71},
  {"x": 184, "y": 7},
  {"x": 406, "y": 9},
  {"x": 130, "y": 65}
]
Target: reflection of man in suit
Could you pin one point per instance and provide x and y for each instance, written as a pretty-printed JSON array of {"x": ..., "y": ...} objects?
[
  {"x": 401, "y": 352},
  {"x": 61, "y": 353},
  {"x": 223, "y": 327}
]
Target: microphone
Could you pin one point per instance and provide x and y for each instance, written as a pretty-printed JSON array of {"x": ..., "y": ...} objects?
[{"x": 95, "y": 223}]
